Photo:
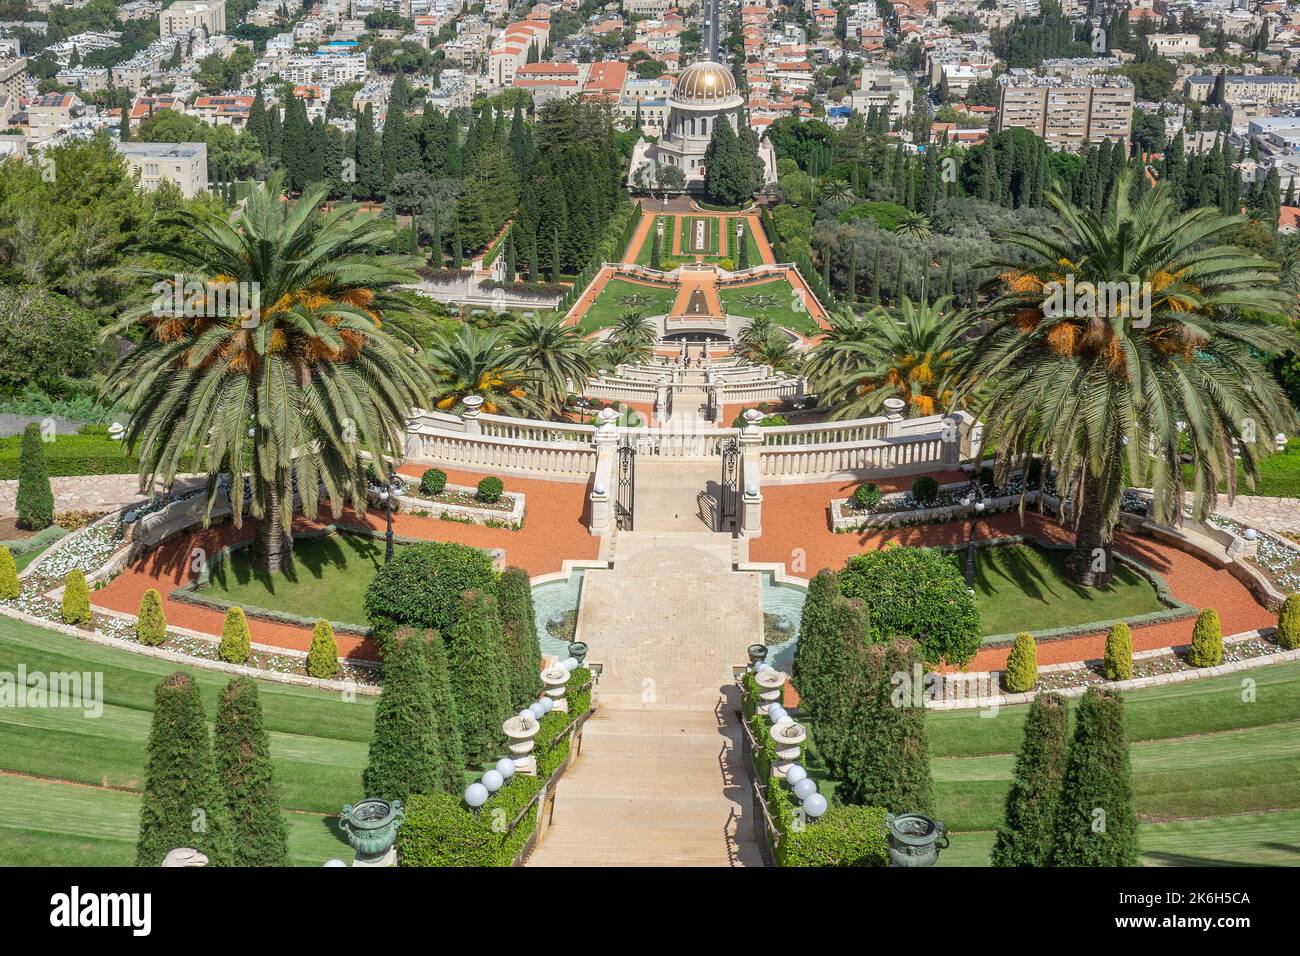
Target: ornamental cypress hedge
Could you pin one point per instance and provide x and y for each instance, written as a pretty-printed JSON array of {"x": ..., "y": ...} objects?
[
  {"x": 1025, "y": 836},
  {"x": 1288, "y": 623},
  {"x": 1117, "y": 662},
  {"x": 1096, "y": 824},
  {"x": 886, "y": 760},
  {"x": 1022, "y": 664},
  {"x": 323, "y": 655},
  {"x": 842, "y": 836},
  {"x": 182, "y": 804},
  {"x": 831, "y": 628},
  {"x": 35, "y": 504},
  {"x": 76, "y": 598},
  {"x": 444, "y": 713},
  {"x": 405, "y": 756},
  {"x": 479, "y": 679},
  {"x": 917, "y": 593},
  {"x": 10, "y": 587},
  {"x": 259, "y": 836},
  {"x": 1207, "y": 640},
  {"x": 523, "y": 652},
  {"x": 422, "y": 587},
  {"x": 151, "y": 623},
  {"x": 235, "y": 647}
]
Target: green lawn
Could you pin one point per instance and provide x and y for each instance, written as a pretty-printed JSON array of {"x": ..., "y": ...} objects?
[
  {"x": 1207, "y": 768},
  {"x": 1279, "y": 474},
  {"x": 647, "y": 248},
  {"x": 329, "y": 578},
  {"x": 775, "y": 298},
  {"x": 319, "y": 746},
  {"x": 1021, "y": 587},
  {"x": 619, "y": 295},
  {"x": 687, "y": 227}
]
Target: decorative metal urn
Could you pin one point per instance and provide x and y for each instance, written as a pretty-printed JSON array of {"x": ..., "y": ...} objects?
[
  {"x": 914, "y": 839},
  {"x": 578, "y": 651},
  {"x": 372, "y": 826},
  {"x": 757, "y": 652}
]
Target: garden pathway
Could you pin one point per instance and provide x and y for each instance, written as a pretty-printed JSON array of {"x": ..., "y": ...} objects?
[
  {"x": 87, "y": 492},
  {"x": 1272, "y": 514},
  {"x": 660, "y": 779}
]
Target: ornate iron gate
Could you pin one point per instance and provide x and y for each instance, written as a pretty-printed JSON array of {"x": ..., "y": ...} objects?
[
  {"x": 626, "y": 498},
  {"x": 729, "y": 486}
]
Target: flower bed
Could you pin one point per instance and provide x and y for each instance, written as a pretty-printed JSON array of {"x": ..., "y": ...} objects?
[
  {"x": 458, "y": 503},
  {"x": 1275, "y": 557}
]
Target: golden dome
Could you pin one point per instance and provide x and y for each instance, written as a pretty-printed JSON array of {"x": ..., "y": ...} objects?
[{"x": 705, "y": 82}]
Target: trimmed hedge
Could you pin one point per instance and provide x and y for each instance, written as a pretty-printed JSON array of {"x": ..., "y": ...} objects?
[
  {"x": 489, "y": 490},
  {"x": 1022, "y": 664},
  {"x": 235, "y": 645},
  {"x": 1207, "y": 640},
  {"x": 151, "y": 625},
  {"x": 76, "y": 598},
  {"x": 1118, "y": 659},
  {"x": 1288, "y": 623},
  {"x": 925, "y": 490},
  {"x": 842, "y": 836},
  {"x": 422, "y": 587},
  {"x": 91, "y": 452},
  {"x": 433, "y": 481}
]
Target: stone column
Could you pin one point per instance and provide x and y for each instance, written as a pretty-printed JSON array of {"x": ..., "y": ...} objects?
[
  {"x": 473, "y": 407},
  {"x": 751, "y": 441},
  {"x": 894, "y": 413},
  {"x": 602, "y": 512}
]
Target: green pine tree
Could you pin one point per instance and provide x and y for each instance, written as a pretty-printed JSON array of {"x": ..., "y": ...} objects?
[
  {"x": 444, "y": 713},
  {"x": 182, "y": 804},
  {"x": 35, "y": 504},
  {"x": 1025, "y": 836},
  {"x": 242, "y": 748},
  {"x": 479, "y": 675}
]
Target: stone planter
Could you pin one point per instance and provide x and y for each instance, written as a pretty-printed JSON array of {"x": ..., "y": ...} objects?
[
  {"x": 914, "y": 839},
  {"x": 788, "y": 738},
  {"x": 520, "y": 731},
  {"x": 771, "y": 685},
  {"x": 555, "y": 679},
  {"x": 371, "y": 827}
]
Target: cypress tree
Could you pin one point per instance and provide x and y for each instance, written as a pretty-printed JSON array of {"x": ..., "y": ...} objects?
[
  {"x": 76, "y": 598},
  {"x": 10, "y": 586},
  {"x": 523, "y": 653},
  {"x": 182, "y": 804},
  {"x": 259, "y": 836},
  {"x": 830, "y": 634},
  {"x": 1022, "y": 664},
  {"x": 510, "y": 255},
  {"x": 1117, "y": 663},
  {"x": 886, "y": 761},
  {"x": 457, "y": 249},
  {"x": 1207, "y": 640},
  {"x": 742, "y": 256},
  {"x": 259, "y": 126},
  {"x": 323, "y": 655},
  {"x": 1025, "y": 836},
  {"x": 405, "y": 755},
  {"x": 235, "y": 646},
  {"x": 1096, "y": 824},
  {"x": 399, "y": 147},
  {"x": 435, "y": 243},
  {"x": 555, "y": 257},
  {"x": 151, "y": 623},
  {"x": 370, "y": 172},
  {"x": 479, "y": 679},
  {"x": 35, "y": 503},
  {"x": 444, "y": 713}
]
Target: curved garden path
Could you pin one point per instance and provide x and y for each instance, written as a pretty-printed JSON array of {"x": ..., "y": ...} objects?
[
  {"x": 553, "y": 532},
  {"x": 796, "y": 531}
]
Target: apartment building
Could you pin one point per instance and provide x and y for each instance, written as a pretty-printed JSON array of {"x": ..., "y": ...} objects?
[
  {"x": 1069, "y": 113},
  {"x": 324, "y": 69},
  {"x": 1264, "y": 88},
  {"x": 512, "y": 50},
  {"x": 47, "y": 115},
  {"x": 13, "y": 79},
  {"x": 881, "y": 88},
  {"x": 1175, "y": 45},
  {"x": 185, "y": 16},
  {"x": 185, "y": 165}
]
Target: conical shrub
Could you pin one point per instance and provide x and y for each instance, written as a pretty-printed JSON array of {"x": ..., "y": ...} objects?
[
  {"x": 235, "y": 647},
  {"x": 10, "y": 587},
  {"x": 478, "y": 676},
  {"x": 1207, "y": 640},
  {"x": 405, "y": 756},
  {"x": 151, "y": 623},
  {"x": 444, "y": 713},
  {"x": 1022, "y": 664},
  {"x": 76, "y": 598},
  {"x": 259, "y": 836},
  {"x": 1029, "y": 823},
  {"x": 1118, "y": 659},
  {"x": 35, "y": 502},
  {"x": 519, "y": 625},
  {"x": 1288, "y": 623},
  {"x": 323, "y": 655}
]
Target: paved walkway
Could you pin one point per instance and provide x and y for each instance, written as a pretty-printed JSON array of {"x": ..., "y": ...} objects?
[
  {"x": 86, "y": 493},
  {"x": 796, "y": 533},
  {"x": 659, "y": 781},
  {"x": 1272, "y": 514}
]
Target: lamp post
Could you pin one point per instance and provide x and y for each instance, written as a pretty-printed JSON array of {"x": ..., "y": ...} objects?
[
  {"x": 386, "y": 496},
  {"x": 976, "y": 496}
]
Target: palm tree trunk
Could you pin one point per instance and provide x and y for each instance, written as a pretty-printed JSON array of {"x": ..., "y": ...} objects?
[
  {"x": 272, "y": 545},
  {"x": 1090, "y": 563}
]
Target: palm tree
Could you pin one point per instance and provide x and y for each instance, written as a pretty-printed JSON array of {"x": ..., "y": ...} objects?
[
  {"x": 471, "y": 361},
  {"x": 754, "y": 332},
  {"x": 909, "y": 352},
  {"x": 633, "y": 330},
  {"x": 1096, "y": 389},
  {"x": 775, "y": 350},
  {"x": 915, "y": 224},
  {"x": 838, "y": 189},
  {"x": 553, "y": 354},
  {"x": 283, "y": 386}
]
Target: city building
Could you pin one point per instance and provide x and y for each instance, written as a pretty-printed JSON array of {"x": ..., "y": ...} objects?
[
  {"x": 1069, "y": 114},
  {"x": 185, "y": 16},
  {"x": 185, "y": 165},
  {"x": 1264, "y": 88},
  {"x": 883, "y": 89}
]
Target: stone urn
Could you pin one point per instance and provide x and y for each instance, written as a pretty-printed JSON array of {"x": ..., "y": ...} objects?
[
  {"x": 578, "y": 650},
  {"x": 771, "y": 687},
  {"x": 554, "y": 678},
  {"x": 520, "y": 731},
  {"x": 757, "y": 654},
  {"x": 788, "y": 738},
  {"x": 914, "y": 839},
  {"x": 371, "y": 827}
]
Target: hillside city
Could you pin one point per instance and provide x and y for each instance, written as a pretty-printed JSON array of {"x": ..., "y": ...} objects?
[{"x": 649, "y": 433}]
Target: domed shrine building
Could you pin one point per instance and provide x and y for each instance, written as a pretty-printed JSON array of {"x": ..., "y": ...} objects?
[{"x": 705, "y": 95}]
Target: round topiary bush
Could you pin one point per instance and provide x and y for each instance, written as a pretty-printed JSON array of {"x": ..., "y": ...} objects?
[
  {"x": 433, "y": 481},
  {"x": 1118, "y": 660},
  {"x": 925, "y": 490},
  {"x": 151, "y": 625},
  {"x": 1288, "y": 623},
  {"x": 422, "y": 585},
  {"x": 76, "y": 598},
  {"x": 489, "y": 490},
  {"x": 323, "y": 655},
  {"x": 1022, "y": 664},
  {"x": 235, "y": 645},
  {"x": 1207, "y": 640},
  {"x": 866, "y": 497}
]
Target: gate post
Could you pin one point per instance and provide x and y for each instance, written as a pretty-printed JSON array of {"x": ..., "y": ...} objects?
[
  {"x": 751, "y": 472},
  {"x": 603, "y": 478}
]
